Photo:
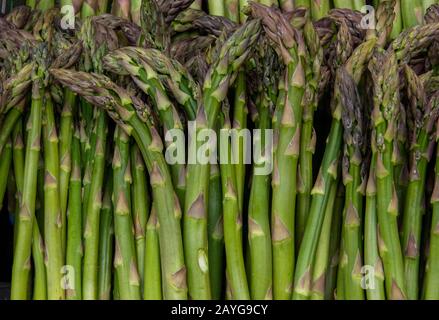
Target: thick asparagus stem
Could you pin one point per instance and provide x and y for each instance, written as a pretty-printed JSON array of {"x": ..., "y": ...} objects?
[
  {"x": 125, "y": 261},
  {"x": 432, "y": 270},
  {"x": 231, "y": 8},
  {"x": 216, "y": 8},
  {"x": 422, "y": 117},
  {"x": 52, "y": 213},
  {"x": 22, "y": 251},
  {"x": 344, "y": 4},
  {"x": 235, "y": 267},
  {"x": 92, "y": 214},
  {"x": 319, "y": 9},
  {"x": 74, "y": 222},
  {"x": 386, "y": 100}
]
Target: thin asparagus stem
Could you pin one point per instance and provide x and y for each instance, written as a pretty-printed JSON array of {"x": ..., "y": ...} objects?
[
  {"x": 215, "y": 229},
  {"x": 106, "y": 243},
  {"x": 141, "y": 204},
  {"x": 216, "y": 8},
  {"x": 412, "y": 13},
  {"x": 320, "y": 268},
  {"x": 5, "y": 164},
  {"x": 152, "y": 286},
  {"x": 319, "y": 9}
]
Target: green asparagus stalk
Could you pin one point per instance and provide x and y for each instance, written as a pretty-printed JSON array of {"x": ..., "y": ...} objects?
[
  {"x": 77, "y": 4},
  {"x": 358, "y": 4},
  {"x": 301, "y": 3},
  {"x": 375, "y": 289},
  {"x": 308, "y": 135},
  {"x": 152, "y": 286},
  {"x": 432, "y": 269},
  {"x": 322, "y": 253},
  {"x": 5, "y": 164},
  {"x": 422, "y": 118},
  {"x": 397, "y": 23},
  {"x": 427, "y": 4},
  {"x": 65, "y": 161},
  {"x": 89, "y": 8},
  {"x": 92, "y": 214},
  {"x": 334, "y": 245},
  {"x": 135, "y": 11},
  {"x": 412, "y": 13},
  {"x": 197, "y": 5},
  {"x": 141, "y": 204},
  {"x": 133, "y": 115},
  {"x": 216, "y": 8},
  {"x": 125, "y": 261},
  {"x": 38, "y": 254},
  {"x": 259, "y": 235},
  {"x": 106, "y": 243},
  {"x": 235, "y": 266},
  {"x": 352, "y": 119},
  {"x": 74, "y": 218},
  {"x": 319, "y": 9},
  {"x": 242, "y": 5},
  {"x": 215, "y": 231},
  {"x": 102, "y": 7},
  {"x": 384, "y": 72},
  {"x": 22, "y": 251},
  {"x": 287, "y": 147},
  {"x": 328, "y": 171},
  {"x": 52, "y": 218}
]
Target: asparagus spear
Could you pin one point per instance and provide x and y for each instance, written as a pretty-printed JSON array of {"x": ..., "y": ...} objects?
[
  {"x": 215, "y": 231},
  {"x": 286, "y": 5},
  {"x": 22, "y": 251},
  {"x": 140, "y": 206},
  {"x": 287, "y": 148},
  {"x": 106, "y": 243},
  {"x": 344, "y": 4},
  {"x": 322, "y": 252},
  {"x": 308, "y": 135},
  {"x": 152, "y": 287},
  {"x": 89, "y": 8},
  {"x": 74, "y": 218},
  {"x": 134, "y": 117},
  {"x": 77, "y": 4},
  {"x": 384, "y": 73},
  {"x": 432, "y": 269},
  {"x": 259, "y": 236},
  {"x": 52, "y": 218},
  {"x": 422, "y": 117},
  {"x": 354, "y": 132},
  {"x": 375, "y": 290},
  {"x": 125, "y": 261},
  {"x": 235, "y": 267},
  {"x": 301, "y": 3},
  {"x": 231, "y": 8}
]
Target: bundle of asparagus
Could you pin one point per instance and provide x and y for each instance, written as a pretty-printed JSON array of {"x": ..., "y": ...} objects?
[{"x": 229, "y": 149}]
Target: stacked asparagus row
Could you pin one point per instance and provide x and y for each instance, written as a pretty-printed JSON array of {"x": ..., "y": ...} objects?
[{"x": 266, "y": 150}]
